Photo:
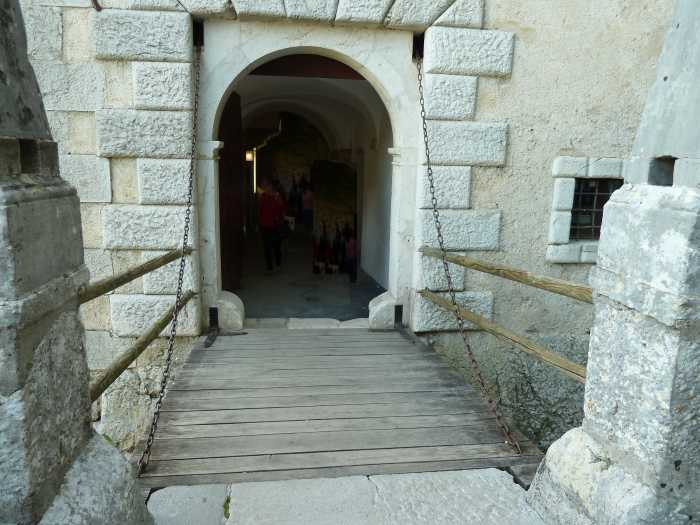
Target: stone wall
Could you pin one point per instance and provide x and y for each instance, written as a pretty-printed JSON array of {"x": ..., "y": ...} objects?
[{"x": 509, "y": 86}]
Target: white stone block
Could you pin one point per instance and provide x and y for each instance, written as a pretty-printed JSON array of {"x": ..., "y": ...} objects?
[
  {"x": 564, "y": 253},
  {"x": 101, "y": 348},
  {"x": 605, "y": 168},
  {"x": 570, "y": 167},
  {"x": 317, "y": 10},
  {"x": 129, "y": 227},
  {"x": 462, "y": 229},
  {"x": 381, "y": 312},
  {"x": 98, "y": 262},
  {"x": 143, "y": 35},
  {"x": 428, "y": 317},
  {"x": 133, "y": 315},
  {"x": 370, "y": 12},
  {"x": 458, "y": 51},
  {"x": 231, "y": 312},
  {"x": 563, "y": 197},
  {"x": 589, "y": 252},
  {"x": 472, "y": 143},
  {"x": 463, "y": 13},
  {"x": 687, "y": 173},
  {"x": 163, "y": 281},
  {"x": 70, "y": 87},
  {"x": 140, "y": 133},
  {"x": 196, "y": 7},
  {"x": 450, "y": 97},
  {"x": 90, "y": 176},
  {"x": 162, "y": 85},
  {"x": 44, "y": 29},
  {"x": 416, "y": 16},
  {"x": 260, "y": 9},
  {"x": 431, "y": 274},
  {"x": 452, "y": 187},
  {"x": 559, "y": 227},
  {"x": 163, "y": 181}
]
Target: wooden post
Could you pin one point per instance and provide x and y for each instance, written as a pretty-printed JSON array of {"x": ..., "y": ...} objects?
[
  {"x": 103, "y": 286},
  {"x": 124, "y": 360},
  {"x": 576, "y": 371},
  {"x": 576, "y": 291}
]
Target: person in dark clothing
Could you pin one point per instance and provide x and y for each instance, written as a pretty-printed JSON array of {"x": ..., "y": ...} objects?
[
  {"x": 339, "y": 249},
  {"x": 351, "y": 256},
  {"x": 271, "y": 212}
]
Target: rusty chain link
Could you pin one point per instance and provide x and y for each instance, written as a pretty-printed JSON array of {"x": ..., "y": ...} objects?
[
  {"x": 146, "y": 455},
  {"x": 475, "y": 369}
]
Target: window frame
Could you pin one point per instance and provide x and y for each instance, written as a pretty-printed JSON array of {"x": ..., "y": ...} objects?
[{"x": 565, "y": 170}]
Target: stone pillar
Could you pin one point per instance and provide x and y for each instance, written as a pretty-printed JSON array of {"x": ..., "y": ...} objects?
[
  {"x": 636, "y": 458},
  {"x": 54, "y": 469}
]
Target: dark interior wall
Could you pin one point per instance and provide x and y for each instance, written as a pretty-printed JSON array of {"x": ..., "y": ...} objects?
[{"x": 233, "y": 194}]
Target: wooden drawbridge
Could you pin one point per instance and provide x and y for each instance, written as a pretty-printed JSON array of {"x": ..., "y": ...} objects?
[{"x": 287, "y": 404}]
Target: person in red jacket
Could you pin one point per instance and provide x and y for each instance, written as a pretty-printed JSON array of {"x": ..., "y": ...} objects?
[{"x": 271, "y": 215}]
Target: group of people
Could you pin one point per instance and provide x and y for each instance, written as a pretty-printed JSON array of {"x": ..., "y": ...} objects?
[
  {"x": 300, "y": 202},
  {"x": 338, "y": 254}
]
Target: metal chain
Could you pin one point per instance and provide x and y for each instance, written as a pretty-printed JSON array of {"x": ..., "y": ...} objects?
[
  {"x": 146, "y": 455},
  {"x": 475, "y": 369}
]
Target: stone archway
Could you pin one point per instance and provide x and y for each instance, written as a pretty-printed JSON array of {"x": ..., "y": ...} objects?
[{"x": 386, "y": 65}]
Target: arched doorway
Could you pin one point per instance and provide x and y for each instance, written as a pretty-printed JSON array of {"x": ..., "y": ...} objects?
[
  {"x": 312, "y": 132},
  {"x": 384, "y": 61}
]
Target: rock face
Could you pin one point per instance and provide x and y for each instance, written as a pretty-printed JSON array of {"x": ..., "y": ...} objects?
[
  {"x": 48, "y": 453},
  {"x": 636, "y": 459}
]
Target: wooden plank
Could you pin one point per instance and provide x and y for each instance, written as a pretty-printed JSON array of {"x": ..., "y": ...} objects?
[
  {"x": 174, "y": 392},
  {"x": 320, "y": 442},
  {"x": 321, "y": 351},
  {"x": 331, "y": 472},
  {"x": 179, "y": 405},
  {"x": 576, "y": 291},
  {"x": 252, "y": 415},
  {"x": 571, "y": 369},
  {"x": 429, "y": 369},
  {"x": 201, "y": 360},
  {"x": 324, "y": 425},
  {"x": 336, "y": 459}
]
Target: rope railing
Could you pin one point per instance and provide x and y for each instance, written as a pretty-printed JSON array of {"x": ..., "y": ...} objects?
[
  {"x": 106, "y": 285},
  {"x": 576, "y": 291},
  {"x": 126, "y": 358},
  {"x": 571, "y": 369}
]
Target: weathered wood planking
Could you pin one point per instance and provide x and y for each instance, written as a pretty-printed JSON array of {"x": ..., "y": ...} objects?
[{"x": 294, "y": 404}]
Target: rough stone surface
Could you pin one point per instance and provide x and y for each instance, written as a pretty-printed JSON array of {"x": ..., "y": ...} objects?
[
  {"x": 102, "y": 348},
  {"x": 259, "y": 9},
  {"x": 563, "y": 195},
  {"x": 559, "y": 227},
  {"x": 141, "y": 133},
  {"x": 118, "y": 85},
  {"x": 687, "y": 173},
  {"x": 125, "y": 186},
  {"x": 163, "y": 280},
  {"x": 162, "y": 85},
  {"x": 44, "y": 30},
  {"x": 74, "y": 131},
  {"x": 474, "y": 143},
  {"x": 462, "y": 229},
  {"x": 432, "y": 275},
  {"x": 381, "y": 312},
  {"x": 203, "y": 8},
  {"x": 133, "y": 315},
  {"x": 452, "y": 187},
  {"x": 570, "y": 167},
  {"x": 201, "y": 504},
  {"x": 163, "y": 181},
  {"x": 450, "y": 97},
  {"x": 71, "y": 87},
  {"x": 416, "y": 16},
  {"x": 78, "y": 40},
  {"x": 89, "y": 175},
  {"x": 659, "y": 227},
  {"x": 143, "y": 35},
  {"x": 319, "y": 10},
  {"x": 577, "y": 483},
  {"x": 370, "y": 12},
  {"x": 428, "y": 317},
  {"x": 143, "y": 227},
  {"x": 463, "y": 13},
  {"x": 457, "y": 51},
  {"x": 113, "y": 496},
  {"x": 231, "y": 312},
  {"x": 441, "y": 498}
]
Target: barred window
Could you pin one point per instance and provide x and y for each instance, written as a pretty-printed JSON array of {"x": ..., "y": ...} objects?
[{"x": 590, "y": 195}]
